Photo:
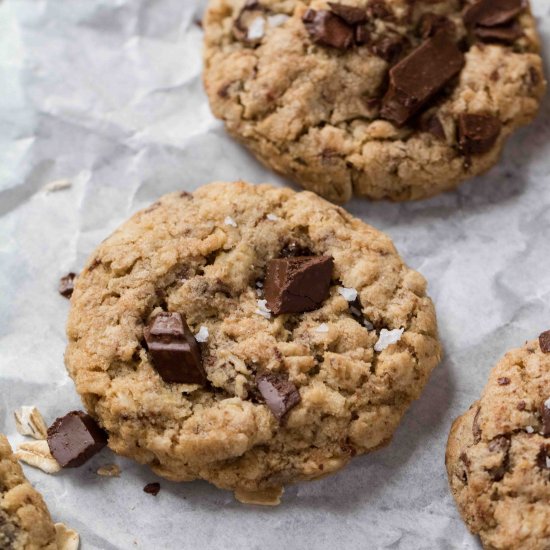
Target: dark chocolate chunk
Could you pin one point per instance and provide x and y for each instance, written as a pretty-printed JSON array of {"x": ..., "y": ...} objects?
[
  {"x": 295, "y": 285},
  {"x": 415, "y": 80},
  {"x": 431, "y": 23},
  {"x": 389, "y": 47},
  {"x": 152, "y": 489},
  {"x": 379, "y": 10},
  {"x": 75, "y": 438},
  {"x": 174, "y": 351},
  {"x": 350, "y": 14},
  {"x": 362, "y": 35},
  {"x": 477, "y": 133},
  {"x": 543, "y": 458},
  {"x": 251, "y": 11},
  {"x": 279, "y": 393},
  {"x": 66, "y": 285},
  {"x": 294, "y": 249},
  {"x": 504, "y": 381},
  {"x": 500, "y": 444},
  {"x": 327, "y": 29},
  {"x": 544, "y": 342},
  {"x": 508, "y": 33},
  {"x": 545, "y": 417},
  {"x": 432, "y": 124},
  {"x": 491, "y": 13}
]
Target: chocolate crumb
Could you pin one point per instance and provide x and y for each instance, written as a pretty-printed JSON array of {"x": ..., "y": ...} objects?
[
  {"x": 152, "y": 489},
  {"x": 66, "y": 285},
  {"x": 279, "y": 393},
  {"x": 504, "y": 381},
  {"x": 544, "y": 342}
]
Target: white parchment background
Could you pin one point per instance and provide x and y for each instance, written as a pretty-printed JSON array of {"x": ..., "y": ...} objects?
[{"x": 107, "y": 94}]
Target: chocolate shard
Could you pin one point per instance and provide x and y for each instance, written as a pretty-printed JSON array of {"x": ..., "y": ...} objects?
[
  {"x": 152, "y": 489},
  {"x": 75, "y": 438},
  {"x": 432, "y": 124},
  {"x": 545, "y": 417},
  {"x": 66, "y": 285},
  {"x": 389, "y": 47},
  {"x": 279, "y": 393},
  {"x": 543, "y": 457},
  {"x": 350, "y": 14},
  {"x": 295, "y": 285},
  {"x": 175, "y": 353},
  {"x": 430, "y": 24},
  {"x": 490, "y": 13},
  {"x": 415, "y": 80},
  {"x": 508, "y": 33},
  {"x": 477, "y": 133},
  {"x": 362, "y": 35},
  {"x": 544, "y": 342},
  {"x": 327, "y": 29}
]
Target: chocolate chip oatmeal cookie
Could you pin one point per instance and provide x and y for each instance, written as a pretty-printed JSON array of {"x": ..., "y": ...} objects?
[
  {"x": 249, "y": 336},
  {"x": 498, "y": 453},
  {"x": 393, "y": 99},
  {"x": 25, "y": 523}
]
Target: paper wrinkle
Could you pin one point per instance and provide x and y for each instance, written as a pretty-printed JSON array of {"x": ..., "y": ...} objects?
[{"x": 109, "y": 95}]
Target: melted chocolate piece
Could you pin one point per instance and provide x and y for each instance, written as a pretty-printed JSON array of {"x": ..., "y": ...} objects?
[
  {"x": 415, "y": 80},
  {"x": 500, "y": 444},
  {"x": 545, "y": 417},
  {"x": 174, "y": 352},
  {"x": 279, "y": 393},
  {"x": 508, "y": 33},
  {"x": 544, "y": 342},
  {"x": 152, "y": 489},
  {"x": 350, "y": 14},
  {"x": 75, "y": 438},
  {"x": 327, "y": 29},
  {"x": 295, "y": 285},
  {"x": 477, "y": 133},
  {"x": 66, "y": 285},
  {"x": 490, "y": 13}
]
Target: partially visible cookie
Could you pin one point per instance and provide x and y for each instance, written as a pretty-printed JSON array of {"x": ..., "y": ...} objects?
[
  {"x": 25, "y": 523},
  {"x": 382, "y": 98},
  {"x": 498, "y": 453},
  {"x": 250, "y": 336}
]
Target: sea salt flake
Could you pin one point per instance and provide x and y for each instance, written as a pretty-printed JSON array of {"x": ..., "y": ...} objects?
[
  {"x": 529, "y": 429},
  {"x": 230, "y": 221},
  {"x": 547, "y": 403},
  {"x": 548, "y": 462},
  {"x": 368, "y": 324},
  {"x": 277, "y": 20},
  {"x": 259, "y": 284},
  {"x": 322, "y": 328},
  {"x": 256, "y": 30},
  {"x": 272, "y": 217},
  {"x": 387, "y": 338},
  {"x": 202, "y": 335},
  {"x": 350, "y": 294},
  {"x": 263, "y": 309}
]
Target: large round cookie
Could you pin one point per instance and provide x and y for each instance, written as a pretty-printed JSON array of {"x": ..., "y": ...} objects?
[
  {"x": 25, "y": 523},
  {"x": 407, "y": 103},
  {"x": 288, "y": 396},
  {"x": 498, "y": 453}
]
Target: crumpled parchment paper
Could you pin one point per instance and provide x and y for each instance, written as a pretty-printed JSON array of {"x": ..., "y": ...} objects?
[{"x": 106, "y": 95}]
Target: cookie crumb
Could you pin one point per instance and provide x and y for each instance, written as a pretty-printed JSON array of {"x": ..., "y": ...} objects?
[
  {"x": 66, "y": 539},
  {"x": 322, "y": 328},
  {"x": 267, "y": 497},
  {"x": 38, "y": 455},
  {"x": 230, "y": 221},
  {"x": 263, "y": 309},
  {"x": 202, "y": 335},
  {"x": 109, "y": 470},
  {"x": 387, "y": 338},
  {"x": 350, "y": 294},
  {"x": 29, "y": 421},
  {"x": 152, "y": 489},
  {"x": 57, "y": 185}
]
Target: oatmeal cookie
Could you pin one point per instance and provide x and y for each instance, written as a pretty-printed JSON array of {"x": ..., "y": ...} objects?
[{"x": 382, "y": 98}]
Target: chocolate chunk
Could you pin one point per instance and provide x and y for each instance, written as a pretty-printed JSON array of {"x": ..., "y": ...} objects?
[
  {"x": 327, "y": 29},
  {"x": 543, "y": 458},
  {"x": 379, "y": 10},
  {"x": 500, "y": 444},
  {"x": 504, "y": 381},
  {"x": 544, "y": 342},
  {"x": 75, "y": 438},
  {"x": 390, "y": 47},
  {"x": 279, "y": 392},
  {"x": 415, "y": 80},
  {"x": 431, "y": 23},
  {"x": 174, "y": 351},
  {"x": 350, "y": 14},
  {"x": 476, "y": 430},
  {"x": 295, "y": 285},
  {"x": 545, "y": 417},
  {"x": 362, "y": 35},
  {"x": 432, "y": 124},
  {"x": 508, "y": 33},
  {"x": 477, "y": 133},
  {"x": 66, "y": 285},
  {"x": 491, "y": 13},
  {"x": 152, "y": 489}
]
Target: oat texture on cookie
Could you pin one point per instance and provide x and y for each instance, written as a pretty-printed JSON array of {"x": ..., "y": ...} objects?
[
  {"x": 287, "y": 381},
  {"x": 382, "y": 98},
  {"x": 25, "y": 523},
  {"x": 498, "y": 454}
]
